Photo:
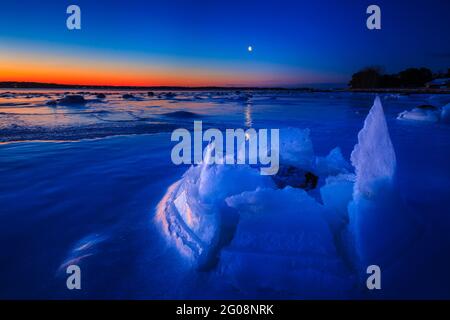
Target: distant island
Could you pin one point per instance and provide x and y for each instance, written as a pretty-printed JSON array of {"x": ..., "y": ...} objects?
[{"x": 411, "y": 78}]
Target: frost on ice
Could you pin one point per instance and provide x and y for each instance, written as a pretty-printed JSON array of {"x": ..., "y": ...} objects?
[
  {"x": 373, "y": 157},
  {"x": 193, "y": 210}
]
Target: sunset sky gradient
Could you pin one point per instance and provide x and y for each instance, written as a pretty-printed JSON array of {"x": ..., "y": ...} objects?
[{"x": 204, "y": 43}]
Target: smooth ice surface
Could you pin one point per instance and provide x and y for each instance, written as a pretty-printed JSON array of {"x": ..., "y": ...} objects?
[{"x": 283, "y": 244}]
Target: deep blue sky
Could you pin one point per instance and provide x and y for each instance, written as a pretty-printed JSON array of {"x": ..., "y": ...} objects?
[{"x": 293, "y": 41}]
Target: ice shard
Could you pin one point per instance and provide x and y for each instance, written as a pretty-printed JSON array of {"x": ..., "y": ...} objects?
[{"x": 381, "y": 225}]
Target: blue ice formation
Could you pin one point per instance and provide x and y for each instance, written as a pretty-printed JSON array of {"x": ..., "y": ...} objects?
[{"x": 306, "y": 243}]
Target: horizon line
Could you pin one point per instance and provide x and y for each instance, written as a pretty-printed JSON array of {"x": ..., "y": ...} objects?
[{"x": 51, "y": 85}]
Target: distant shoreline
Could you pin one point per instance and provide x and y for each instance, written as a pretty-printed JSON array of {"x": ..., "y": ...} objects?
[{"x": 39, "y": 85}]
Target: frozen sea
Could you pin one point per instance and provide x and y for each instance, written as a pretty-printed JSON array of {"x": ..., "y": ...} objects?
[{"x": 80, "y": 183}]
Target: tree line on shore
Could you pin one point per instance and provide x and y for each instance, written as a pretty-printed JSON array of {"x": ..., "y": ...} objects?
[{"x": 374, "y": 77}]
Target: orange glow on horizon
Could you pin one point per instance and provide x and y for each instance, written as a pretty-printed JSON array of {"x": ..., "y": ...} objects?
[{"x": 40, "y": 68}]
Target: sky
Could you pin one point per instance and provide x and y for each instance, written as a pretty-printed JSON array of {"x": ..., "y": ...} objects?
[{"x": 205, "y": 43}]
